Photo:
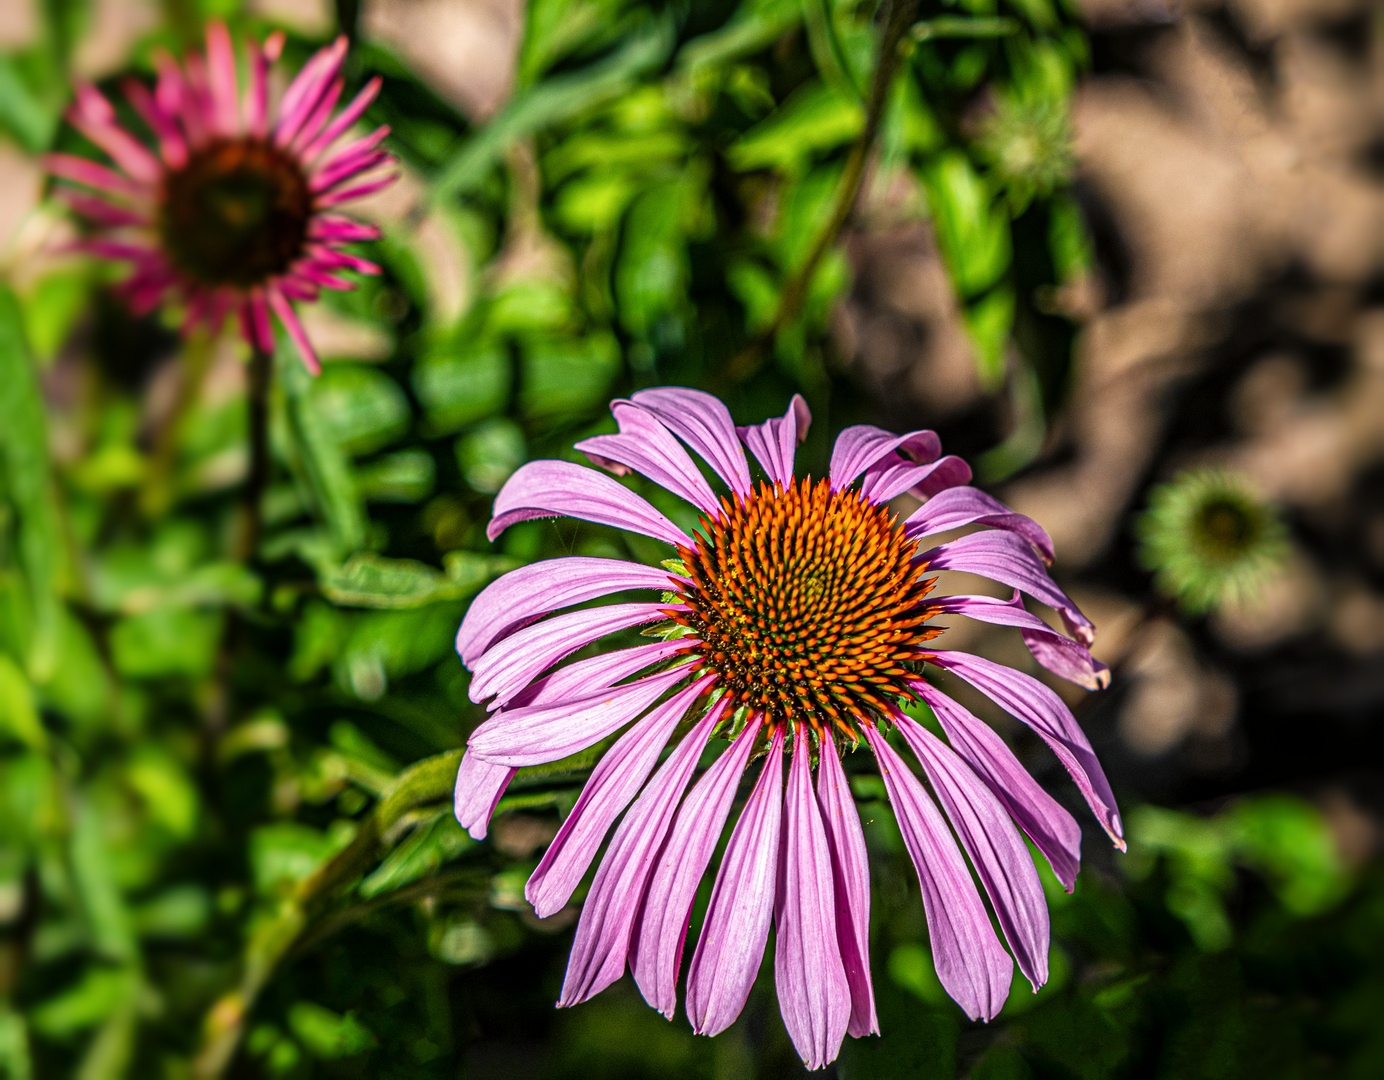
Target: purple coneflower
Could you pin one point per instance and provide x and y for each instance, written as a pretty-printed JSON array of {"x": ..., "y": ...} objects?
[
  {"x": 236, "y": 210},
  {"x": 792, "y": 624}
]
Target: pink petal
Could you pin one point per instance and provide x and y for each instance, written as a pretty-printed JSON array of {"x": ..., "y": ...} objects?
[
  {"x": 620, "y": 773},
  {"x": 858, "y": 448},
  {"x": 1008, "y": 559},
  {"x": 92, "y": 175},
  {"x": 508, "y": 665},
  {"x": 538, "y": 734},
  {"x": 178, "y": 99},
  {"x": 335, "y": 175},
  {"x": 221, "y": 81},
  {"x": 597, "y": 673},
  {"x": 1060, "y": 655},
  {"x": 321, "y": 113},
  {"x": 480, "y": 785},
  {"x": 347, "y": 117},
  {"x": 736, "y": 929},
  {"x": 703, "y": 423},
  {"x": 1049, "y": 826},
  {"x": 345, "y": 195},
  {"x": 333, "y": 228},
  {"x": 970, "y": 961},
  {"x": 560, "y": 488},
  {"x": 656, "y": 954},
  {"x": 99, "y": 210},
  {"x": 996, "y": 849},
  {"x": 341, "y": 260},
  {"x": 256, "y": 104},
  {"x": 520, "y": 596},
  {"x": 960, "y": 506},
  {"x": 356, "y": 150},
  {"x": 93, "y": 117},
  {"x": 888, "y": 479},
  {"x": 850, "y": 870},
  {"x": 1025, "y": 697},
  {"x": 306, "y": 89},
  {"x": 814, "y": 996},
  {"x": 295, "y": 329},
  {"x": 607, "y": 918},
  {"x": 171, "y": 144},
  {"x": 646, "y": 446},
  {"x": 775, "y": 442}
]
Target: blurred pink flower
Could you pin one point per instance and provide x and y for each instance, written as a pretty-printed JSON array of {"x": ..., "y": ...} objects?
[
  {"x": 236, "y": 210},
  {"x": 798, "y": 616}
]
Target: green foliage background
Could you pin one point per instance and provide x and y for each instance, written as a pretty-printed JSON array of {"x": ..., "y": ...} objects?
[{"x": 225, "y": 839}]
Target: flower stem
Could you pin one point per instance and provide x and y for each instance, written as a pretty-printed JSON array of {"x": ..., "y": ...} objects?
[
  {"x": 896, "y": 26},
  {"x": 426, "y": 782},
  {"x": 257, "y": 477}
]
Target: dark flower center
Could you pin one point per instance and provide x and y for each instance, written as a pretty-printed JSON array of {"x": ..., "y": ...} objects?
[
  {"x": 1224, "y": 527},
  {"x": 807, "y": 603},
  {"x": 236, "y": 213}
]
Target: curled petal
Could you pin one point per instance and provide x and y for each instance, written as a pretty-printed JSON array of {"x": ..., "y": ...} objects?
[
  {"x": 647, "y": 447},
  {"x": 814, "y": 996},
  {"x": 774, "y": 443},
  {"x": 971, "y": 963},
  {"x": 1060, "y": 655},
  {"x": 1026, "y": 698},
  {"x": 858, "y": 448},
  {"x": 889, "y": 479},
  {"x": 736, "y": 929},
  {"x": 656, "y": 954},
  {"x": 996, "y": 849},
  {"x": 480, "y": 784},
  {"x": 850, "y": 869},
  {"x": 963, "y": 505},
  {"x": 560, "y": 488},
  {"x": 1049, "y": 826},
  {"x": 1008, "y": 559},
  {"x": 517, "y": 598},
  {"x": 701, "y": 421},
  {"x": 538, "y": 734},
  {"x": 620, "y": 773},
  {"x": 603, "y": 935}
]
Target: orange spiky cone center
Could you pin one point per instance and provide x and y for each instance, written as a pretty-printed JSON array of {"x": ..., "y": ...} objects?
[{"x": 807, "y": 604}]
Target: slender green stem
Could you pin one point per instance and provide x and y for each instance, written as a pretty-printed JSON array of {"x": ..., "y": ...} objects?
[
  {"x": 896, "y": 26},
  {"x": 257, "y": 476},
  {"x": 426, "y": 782}
]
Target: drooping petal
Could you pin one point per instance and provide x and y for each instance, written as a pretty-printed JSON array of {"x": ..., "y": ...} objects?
[
  {"x": 480, "y": 784},
  {"x": 284, "y": 310},
  {"x": 647, "y": 447},
  {"x": 520, "y": 596},
  {"x": 656, "y": 954},
  {"x": 859, "y": 447},
  {"x": 619, "y": 774},
  {"x": 996, "y": 849},
  {"x": 1026, "y": 698},
  {"x": 736, "y": 929},
  {"x": 970, "y": 961},
  {"x": 1008, "y": 559},
  {"x": 587, "y": 677},
  {"x": 562, "y": 489},
  {"x": 850, "y": 868},
  {"x": 809, "y": 976},
  {"x": 774, "y": 443},
  {"x": 606, "y": 927},
  {"x": 1049, "y": 826},
  {"x": 538, "y": 734},
  {"x": 964, "y": 505},
  {"x": 886, "y": 480},
  {"x": 1059, "y": 654},
  {"x": 701, "y": 421}
]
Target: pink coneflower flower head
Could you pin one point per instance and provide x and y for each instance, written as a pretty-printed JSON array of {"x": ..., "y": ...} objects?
[
  {"x": 793, "y": 624},
  {"x": 234, "y": 207}
]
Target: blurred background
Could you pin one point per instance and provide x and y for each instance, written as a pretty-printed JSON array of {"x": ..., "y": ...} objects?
[{"x": 1093, "y": 246}]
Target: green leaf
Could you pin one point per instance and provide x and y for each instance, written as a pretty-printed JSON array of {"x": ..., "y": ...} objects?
[
  {"x": 989, "y": 321},
  {"x": 551, "y": 102},
  {"x": 431, "y": 845},
  {"x": 361, "y": 408},
  {"x": 405, "y": 477},
  {"x": 756, "y": 25},
  {"x": 287, "y": 852},
  {"x": 458, "y": 385},
  {"x": 29, "y": 486},
  {"x": 561, "y": 376},
  {"x": 815, "y": 119},
  {"x": 18, "y": 715},
  {"x": 373, "y": 581},
  {"x": 972, "y": 229},
  {"x": 96, "y": 995},
  {"x": 32, "y": 118},
  {"x": 15, "y": 1061},
  {"x": 322, "y": 458},
  {"x": 168, "y": 793},
  {"x": 166, "y": 642},
  {"x": 326, "y": 1034},
  {"x": 489, "y": 454},
  {"x": 107, "y": 918}
]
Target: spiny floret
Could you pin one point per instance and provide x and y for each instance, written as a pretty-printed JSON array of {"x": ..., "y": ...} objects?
[{"x": 806, "y": 602}]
